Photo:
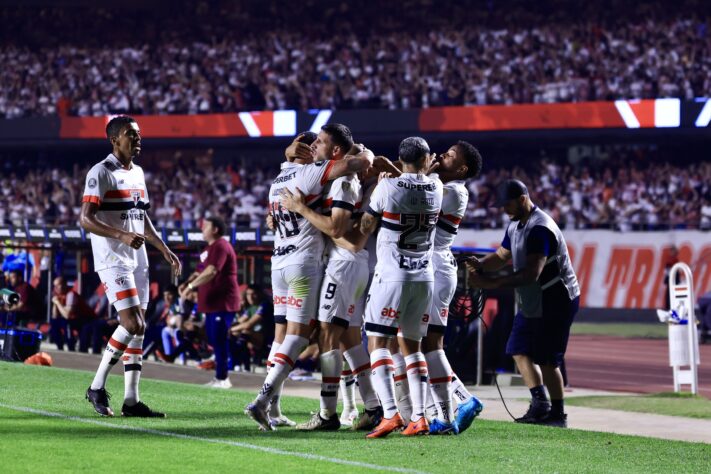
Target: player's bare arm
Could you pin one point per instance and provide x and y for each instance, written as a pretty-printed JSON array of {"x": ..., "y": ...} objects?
[
  {"x": 527, "y": 275},
  {"x": 335, "y": 225},
  {"x": 490, "y": 262},
  {"x": 352, "y": 164},
  {"x": 368, "y": 223},
  {"x": 154, "y": 239},
  {"x": 90, "y": 223}
]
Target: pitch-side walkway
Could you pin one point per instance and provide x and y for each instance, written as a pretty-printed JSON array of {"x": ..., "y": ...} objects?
[{"x": 591, "y": 419}]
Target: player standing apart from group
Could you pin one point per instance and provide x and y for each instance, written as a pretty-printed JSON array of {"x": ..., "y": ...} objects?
[{"x": 113, "y": 210}]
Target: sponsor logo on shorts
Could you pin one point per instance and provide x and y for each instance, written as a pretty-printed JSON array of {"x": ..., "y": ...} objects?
[
  {"x": 426, "y": 318},
  {"x": 444, "y": 313},
  {"x": 289, "y": 301},
  {"x": 351, "y": 309},
  {"x": 326, "y": 306},
  {"x": 390, "y": 313},
  {"x": 281, "y": 251}
]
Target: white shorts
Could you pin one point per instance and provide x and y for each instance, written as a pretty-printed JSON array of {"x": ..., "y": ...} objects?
[
  {"x": 342, "y": 299},
  {"x": 126, "y": 287},
  {"x": 402, "y": 304},
  {"x": 444, "y": 288},
  {"x": 295, "y": 289}
]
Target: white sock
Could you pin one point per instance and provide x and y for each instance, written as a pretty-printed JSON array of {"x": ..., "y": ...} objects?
[
  {"x": 431, "y": 411},
  {"x": 441, "y": 383},
  {"x": 381, "y": 364},
  {"x": 357, "y": 358},
  {"x": 114, "y": 350},
  {"x": 275, "y": 401},
  {"x": 132, "y": 365},
  {"x": 282, "y": 363},
  {"x": 402, "y": 388},
  {"x": 417, "y": 378},
  {"x": 461, "y": 393},
  {"x": 347, "y": 385},
  {"x": 331, "y": 368}
]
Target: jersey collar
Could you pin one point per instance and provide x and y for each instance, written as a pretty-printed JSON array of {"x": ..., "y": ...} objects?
[
  {"x": 288, "y": 165},
  {"x": 118, "y": 163}
]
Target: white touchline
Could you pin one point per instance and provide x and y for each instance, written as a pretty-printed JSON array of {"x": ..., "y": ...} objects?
[{"x": 169, "y": 434}]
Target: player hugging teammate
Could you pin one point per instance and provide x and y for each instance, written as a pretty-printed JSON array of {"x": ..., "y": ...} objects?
[{"x": 327, "y": 202}]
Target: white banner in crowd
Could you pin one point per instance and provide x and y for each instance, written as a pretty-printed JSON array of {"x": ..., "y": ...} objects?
[{"x": 621, "y": 270}]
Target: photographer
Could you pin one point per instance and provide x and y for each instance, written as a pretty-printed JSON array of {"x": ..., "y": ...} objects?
[{"x": 26, "y": 310}]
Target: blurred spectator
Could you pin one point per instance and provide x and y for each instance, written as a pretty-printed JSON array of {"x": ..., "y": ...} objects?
[
  {"x": 30, "y": 301},
  {"x": 71, "y": 317},
  {"x": 247, "y": 333},
  {"x": 157, "y": 319}
]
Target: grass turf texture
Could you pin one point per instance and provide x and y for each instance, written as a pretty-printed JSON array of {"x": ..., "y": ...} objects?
[
  {"x": 674, "y": 404},
  {"x": 35, "y": 443},
  {"x": 643, "y": 330}
]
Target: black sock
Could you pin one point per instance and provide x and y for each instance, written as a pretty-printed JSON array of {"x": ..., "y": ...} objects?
[
  {"x": 538, "y": 394},
  {"x": 557, "y": 407}
]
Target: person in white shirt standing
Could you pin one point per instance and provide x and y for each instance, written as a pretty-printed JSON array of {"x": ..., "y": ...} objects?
[
  {"x": 113, "y": 210},
  {"x": 400, "y": 296}
]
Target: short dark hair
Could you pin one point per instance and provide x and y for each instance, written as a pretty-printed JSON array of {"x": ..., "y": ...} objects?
[
  {"x": 413, "y": 149},
  {"x": 340, "y": 135},
  {"x": 472, "y": 157},
  {"x": 307, "y": 137},
  {"x": 218, "y": 224},
  {"x": 116, "y": 124}
]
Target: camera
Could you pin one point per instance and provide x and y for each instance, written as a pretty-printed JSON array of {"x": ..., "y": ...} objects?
[{"x": 9, "y": 297}]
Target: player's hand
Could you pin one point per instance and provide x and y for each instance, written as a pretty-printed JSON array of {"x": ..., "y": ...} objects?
[
  {"x": 269, "y": 220},
  {"x": 433, "y": 163},
  {"x": 132, "y": 239},
  {"x": 174, "y": 261},
  {"x": 384, "y": 175},
  {"x": 298, "y": 150},
  {"x": 292, "y": 201}
]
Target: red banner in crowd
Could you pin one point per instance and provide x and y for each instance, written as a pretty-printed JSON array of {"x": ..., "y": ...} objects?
[{"x": 622, "y": 270}]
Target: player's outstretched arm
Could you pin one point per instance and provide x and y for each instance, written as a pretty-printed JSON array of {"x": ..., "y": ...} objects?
[
  {"x": 351, "y": 164},
  {"x": 90, "y": 223},
  {"x": 527, "y": 275},
  {"x": 154, "y": 239},
  {"x": 335, "y": 225}
]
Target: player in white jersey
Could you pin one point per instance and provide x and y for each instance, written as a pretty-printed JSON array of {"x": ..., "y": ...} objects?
[
  {"x": 407, "y": 208},
  {"x": 343, "y": 289},
  {"x": 461, "y": 162},
  {"x": 113, "y": 210},
  {"x": 296, "y": 265}
]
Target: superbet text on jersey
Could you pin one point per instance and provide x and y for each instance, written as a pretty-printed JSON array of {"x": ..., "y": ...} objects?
[{"x": 297, "y": 240}]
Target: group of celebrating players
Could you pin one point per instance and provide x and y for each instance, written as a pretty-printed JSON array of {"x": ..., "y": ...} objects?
[{"x": 329, "y": 199}]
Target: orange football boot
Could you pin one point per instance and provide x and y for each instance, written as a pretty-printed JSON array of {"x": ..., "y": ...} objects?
[
  {"x": 387, "y": 426},
  {"x": 416, "y": 428}
]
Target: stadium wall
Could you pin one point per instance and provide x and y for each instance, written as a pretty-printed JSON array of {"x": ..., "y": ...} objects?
[{"x": 621, "y": 270}]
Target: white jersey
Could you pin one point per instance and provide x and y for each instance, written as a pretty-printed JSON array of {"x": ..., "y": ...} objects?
[
  {"x": 409, "y": 207},
  {"x": 344, "y": 193},
  {"x": 122, "y": 198},
  {"x": 454, "y": 203},
  {"x": 297, "y": 240}
]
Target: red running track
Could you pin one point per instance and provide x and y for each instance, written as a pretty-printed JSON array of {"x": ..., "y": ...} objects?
[{"x": 628, "y": 365}]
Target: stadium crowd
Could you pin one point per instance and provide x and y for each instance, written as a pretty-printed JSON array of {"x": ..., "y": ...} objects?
[
  {"x": 213, "y": 57},
  {"x": 623, "y": 192}
]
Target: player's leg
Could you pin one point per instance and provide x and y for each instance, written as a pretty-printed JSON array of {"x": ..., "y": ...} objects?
[
  {"x": 402, "y": 387},
  {"x": 419, "y": 300},
  {"x": 381, "y": 319},
  {"x": 302, "y": 298},
  {"x": 347, "y": 387},
  {"x": 280, "y": 290}
]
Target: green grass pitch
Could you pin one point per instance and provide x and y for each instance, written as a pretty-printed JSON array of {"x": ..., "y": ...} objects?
[{"x": 51, "y": 428}]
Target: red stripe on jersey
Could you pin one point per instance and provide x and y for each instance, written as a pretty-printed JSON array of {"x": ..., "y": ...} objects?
[
  {"x": 358, "y": 205},
  {"x": 311, "y": 197},
  {"x": 397, "y": 378},
  {"x": 329, "y": 167},
  {"x": 328, "y": 202},
  {"x": 122, "y": 193},
  {"x": 122, "y": 295},
  {"x": 346, "y": 373},
  {"x": 281, "y": 358},
  {"x": 381, "y": 362},
  {"x": 134, "y": 351},
  {"x": 94, "y": 199},
  {"x": 391, "y": 215},
  {"x": 117, "y": 345},
  {"x": 414, "y": 365},
  {"x": 453, "y": 219},
  {"x": 441, "y": 380},
  {"x": 330, "y": 379}
]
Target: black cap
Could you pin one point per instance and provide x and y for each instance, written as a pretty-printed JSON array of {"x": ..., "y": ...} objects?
[{"x": 509, "y": 189}]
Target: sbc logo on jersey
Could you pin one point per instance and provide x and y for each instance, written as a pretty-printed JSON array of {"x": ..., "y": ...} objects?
[
  {"x": 390, "y": 313},
  {"x": 121, "y": 281}
]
